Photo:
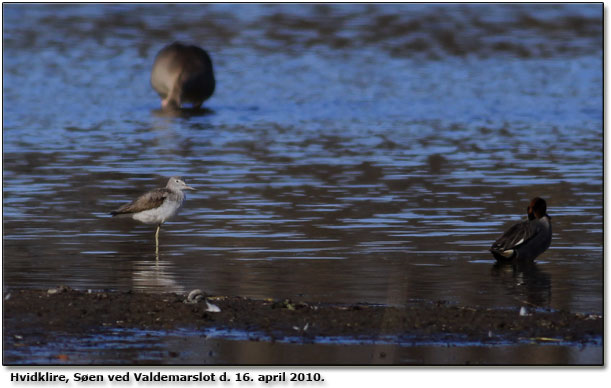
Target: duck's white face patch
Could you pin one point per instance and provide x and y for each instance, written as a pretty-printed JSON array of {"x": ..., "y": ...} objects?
[{"x": 508, "y": 253}]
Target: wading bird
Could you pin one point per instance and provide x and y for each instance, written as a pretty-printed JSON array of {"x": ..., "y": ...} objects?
[{"x": 156, "y": 206}]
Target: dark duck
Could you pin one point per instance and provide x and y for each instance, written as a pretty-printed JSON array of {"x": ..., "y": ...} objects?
[
  {"x": 182, "y": 74},
  {"x": 526, "y": 240}
]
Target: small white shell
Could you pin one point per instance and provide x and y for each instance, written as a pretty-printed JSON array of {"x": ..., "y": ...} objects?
[
  {"x": 212, "y": 308},
  {"x": 58, "y": 290}
]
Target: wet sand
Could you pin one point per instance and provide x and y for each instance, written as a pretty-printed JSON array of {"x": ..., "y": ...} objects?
[{"x": 31, "y": 315}]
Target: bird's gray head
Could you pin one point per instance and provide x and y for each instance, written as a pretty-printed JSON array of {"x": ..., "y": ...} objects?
[{"x": 176, "y": 183}]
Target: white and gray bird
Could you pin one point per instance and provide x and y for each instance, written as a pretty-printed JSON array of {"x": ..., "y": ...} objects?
[
  {"x": 156, "y": 206},
  {"x": 528, "y": 239}
]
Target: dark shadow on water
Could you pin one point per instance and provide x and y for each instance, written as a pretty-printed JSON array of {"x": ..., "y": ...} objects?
[
  {"x": 525, "y": 282},
  {"x": 184, "y": 113}
]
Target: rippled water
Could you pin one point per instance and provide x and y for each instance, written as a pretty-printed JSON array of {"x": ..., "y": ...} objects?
[
  {"x": 188, "y": 347},
  {"x": 351, "y": 153}
]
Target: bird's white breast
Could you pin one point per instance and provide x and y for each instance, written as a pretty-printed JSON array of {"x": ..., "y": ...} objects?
[{"x": 160, "y": 214}]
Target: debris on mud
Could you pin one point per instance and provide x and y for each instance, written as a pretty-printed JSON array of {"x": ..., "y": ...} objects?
[{"x": 66, "y": 310}]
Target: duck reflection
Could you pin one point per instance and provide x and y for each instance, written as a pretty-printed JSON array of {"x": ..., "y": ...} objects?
[{"x": 525, "y": 282}]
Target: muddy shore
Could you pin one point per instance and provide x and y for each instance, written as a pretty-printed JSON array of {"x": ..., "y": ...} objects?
[{"x": 64, "y": 310}]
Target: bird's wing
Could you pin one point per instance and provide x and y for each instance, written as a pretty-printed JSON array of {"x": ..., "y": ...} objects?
[
  {"x": 517, "y": 235},
  {"x": 150, "y": 200}
]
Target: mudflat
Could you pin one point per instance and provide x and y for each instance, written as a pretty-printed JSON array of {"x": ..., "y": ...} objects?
[{"x": 30, "y": 312}]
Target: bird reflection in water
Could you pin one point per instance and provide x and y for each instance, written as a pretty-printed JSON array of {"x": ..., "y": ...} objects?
[
  {"x": 525, "y": 282},
  {"x": 155, "y": 277}
]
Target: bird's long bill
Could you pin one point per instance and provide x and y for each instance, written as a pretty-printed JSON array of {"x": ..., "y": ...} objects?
[{"x": 189, "y": 188}]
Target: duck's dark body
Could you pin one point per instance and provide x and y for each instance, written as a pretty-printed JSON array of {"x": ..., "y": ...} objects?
[{"x": 526, "y": 240}]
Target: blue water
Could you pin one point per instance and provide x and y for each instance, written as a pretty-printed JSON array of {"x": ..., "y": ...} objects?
[{"x": 194, "y": 347}]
